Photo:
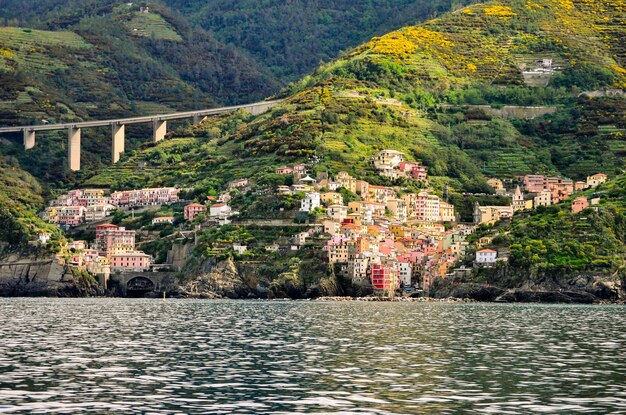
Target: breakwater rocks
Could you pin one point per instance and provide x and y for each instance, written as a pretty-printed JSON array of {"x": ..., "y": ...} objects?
[{"x": 399, "y": 299}]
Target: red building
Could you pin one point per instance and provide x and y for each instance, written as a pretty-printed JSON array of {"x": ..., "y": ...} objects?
[{"x": 383, "y": 277}]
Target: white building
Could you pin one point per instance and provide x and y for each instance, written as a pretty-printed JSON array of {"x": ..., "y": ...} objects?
[
  {"x": 300, "y": 239},
  {"x": 358, "y": 266},
  {"x": 486, "y": 256},
  {"x": 163, "y": 219},
  {"x": 44, "y": 237},
  {"x": 388, "y": 158},
  {"x": 406, "y": 273},
  {"x": 240, "y": 249},
  {"x": 310, "y": 202},
  {"x": 220, "y": 210}
]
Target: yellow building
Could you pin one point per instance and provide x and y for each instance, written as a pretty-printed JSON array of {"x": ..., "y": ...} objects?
[
  {"x": 346, "y": 181},
  {"x": 496, "y": 184},
  {"x": 446, "y": 212},
  {"x": 331, "y": 198}
]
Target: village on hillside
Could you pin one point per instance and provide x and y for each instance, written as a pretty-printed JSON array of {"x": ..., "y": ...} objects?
[{"x": 384, "y": 237}]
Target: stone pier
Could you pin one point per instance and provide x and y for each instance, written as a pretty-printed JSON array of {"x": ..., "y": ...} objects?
[
  {"x": 29, "y": 139},
  {"x": 117, "y": 147},
  {"x": 160, "y": 128},
  {"x": 197, "y": 119},
  {"x": 260, "y": 109},
  {"x": 73, "y": 148}
]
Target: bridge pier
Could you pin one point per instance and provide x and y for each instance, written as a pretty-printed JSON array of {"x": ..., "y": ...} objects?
[
  {"x": 29, "y": 139},
  {"x": 117, "y": 148},
  {"x": 197, "y": 119},
  {"x": 259, "y": 109},
  {"x": 73, "y": 148},
  {"x": 160, "y": 128}
]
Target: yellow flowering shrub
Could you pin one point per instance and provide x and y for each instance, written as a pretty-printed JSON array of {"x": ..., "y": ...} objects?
[
  {"x": 531, "y": 5},
  {"x": 503, "y": 12},
  {"x": 393, "y": 44},
  {"x": 566, "y": 4},
  {"x": 7, "y": 53},
  {"x": 428, "y": 38}
]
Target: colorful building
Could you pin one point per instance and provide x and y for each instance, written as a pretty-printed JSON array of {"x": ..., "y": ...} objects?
[
  {"x": 192, "y": 210},
  {"x": 135, "y": 261},
  {"x": 579, "y": 204}
]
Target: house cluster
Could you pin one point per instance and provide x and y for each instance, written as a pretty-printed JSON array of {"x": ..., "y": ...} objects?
[
  {"x": 537, "y": 190},
  {"x": 393, "y": 165},
  {"x": 91, "y": 205},
  {"x": 113, "y": 250},
  {"x": 386, "y": 239}
]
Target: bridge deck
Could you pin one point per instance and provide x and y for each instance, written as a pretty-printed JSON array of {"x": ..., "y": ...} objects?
[{"x": 135, "y": 120}]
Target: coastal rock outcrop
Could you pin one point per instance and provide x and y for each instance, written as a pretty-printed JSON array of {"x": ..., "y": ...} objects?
[{"x": 34, "y": 276}]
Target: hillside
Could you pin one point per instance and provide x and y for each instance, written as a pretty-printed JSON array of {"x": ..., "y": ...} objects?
[
  {"x": 492, "y": 90},
  {"x": 291, "y": 38},
  {"x": 113, "y": 61},
  {"x": 21, "y": 197},
  {"x": 120, "y": 61},
  {"x": 419, "y": 90}
]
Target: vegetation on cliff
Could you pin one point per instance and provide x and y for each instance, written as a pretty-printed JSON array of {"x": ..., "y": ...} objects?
[{"x": 21, "y": 197}]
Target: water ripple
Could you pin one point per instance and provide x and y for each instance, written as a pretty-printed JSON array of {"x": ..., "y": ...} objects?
[{"x": 106, "y": 356}]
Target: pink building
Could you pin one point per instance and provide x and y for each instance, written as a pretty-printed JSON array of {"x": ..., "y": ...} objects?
[
  {"x": 131, "y": 261},
  {"x": 145, "y": 197},
  {"x": 192, "y": 210},
  {"x": 416, "y": 170},
  {"x": 105, "y": 227},
  {"x": 535, "y": 183},
  {"x": 77, "y": 245},
  {"x": 284, "y": 170},
  {"x": 112, "y": 239},
  {"x": 71, "y": 215},
  {"x": 579, "y": 204},
  {"x": 578, "y": 186}
]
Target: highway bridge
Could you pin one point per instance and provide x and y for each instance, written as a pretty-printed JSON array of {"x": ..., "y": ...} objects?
[{"x": 159, "y": 125}]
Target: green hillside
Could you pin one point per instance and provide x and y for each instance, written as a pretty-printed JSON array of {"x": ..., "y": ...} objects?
[
  {"x": 21, "y": 197},
  {"x": 432, "y": 91},
  {"x": 112, "y": 61},
  {"x": 419, "y": 90}
]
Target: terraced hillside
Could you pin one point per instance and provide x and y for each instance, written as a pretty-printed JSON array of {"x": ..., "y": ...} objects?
[
  {"x": 118, "y": 62},
  {"x": 420, "y": 90}
]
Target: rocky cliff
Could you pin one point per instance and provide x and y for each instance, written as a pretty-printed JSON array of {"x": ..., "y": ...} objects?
[
  {"x": 32, "y": 276},
  {"x": 510, "y": 285}
]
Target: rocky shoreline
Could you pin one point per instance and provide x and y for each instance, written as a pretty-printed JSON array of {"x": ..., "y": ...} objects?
[{"x": 397, "y": 299}]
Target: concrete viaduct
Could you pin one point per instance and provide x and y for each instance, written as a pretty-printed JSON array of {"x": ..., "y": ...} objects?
[{"x": 159, "y": 123}]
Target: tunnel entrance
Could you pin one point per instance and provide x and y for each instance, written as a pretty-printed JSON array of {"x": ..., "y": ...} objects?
[{"x": 139, "y": 287}]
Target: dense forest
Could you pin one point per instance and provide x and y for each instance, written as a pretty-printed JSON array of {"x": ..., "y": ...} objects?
[{"x": 292, "y": 37}]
